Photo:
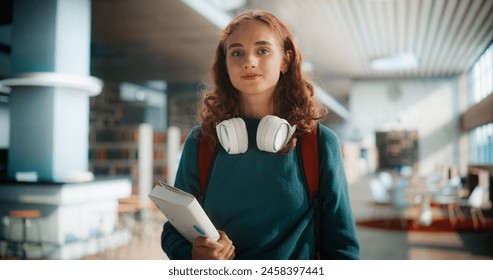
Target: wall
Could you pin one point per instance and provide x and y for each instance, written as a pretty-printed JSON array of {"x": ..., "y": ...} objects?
[{"x": 429, "y": 106}]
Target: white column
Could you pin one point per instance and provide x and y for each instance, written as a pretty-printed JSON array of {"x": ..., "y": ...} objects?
[
  {"x": 145, "y": 161},
  {"x": 173, "y": 152}
]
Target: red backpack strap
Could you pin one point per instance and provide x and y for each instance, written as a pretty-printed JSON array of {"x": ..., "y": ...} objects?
[
  {"x": 205, "y": 158},
  {"x": 311, "y": 169},
  {"x": 309, "y": 155}
]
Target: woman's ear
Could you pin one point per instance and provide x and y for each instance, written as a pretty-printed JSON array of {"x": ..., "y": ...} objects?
[{"x": 286, "y": 61}]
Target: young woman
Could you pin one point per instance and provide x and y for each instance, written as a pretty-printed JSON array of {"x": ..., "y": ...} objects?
[{"x": 256, "y": 195}]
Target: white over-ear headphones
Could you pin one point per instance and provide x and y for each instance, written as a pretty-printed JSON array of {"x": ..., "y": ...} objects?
[{"x": 273, "y": 133}]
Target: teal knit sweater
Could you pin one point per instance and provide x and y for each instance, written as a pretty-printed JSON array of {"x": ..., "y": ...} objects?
[{"x": 259, "y": 200}]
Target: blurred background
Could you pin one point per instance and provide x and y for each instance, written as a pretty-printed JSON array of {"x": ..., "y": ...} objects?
[{"x": 96, "y": 98}]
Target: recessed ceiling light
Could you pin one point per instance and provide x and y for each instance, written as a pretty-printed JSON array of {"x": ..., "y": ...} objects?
[{"x": 404, "y": 61}]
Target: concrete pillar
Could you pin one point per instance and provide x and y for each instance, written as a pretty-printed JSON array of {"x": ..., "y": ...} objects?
[{"x": 50, "y": 89}]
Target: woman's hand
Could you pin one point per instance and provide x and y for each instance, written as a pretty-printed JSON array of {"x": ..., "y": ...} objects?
[{"x": 208, "y": 249}]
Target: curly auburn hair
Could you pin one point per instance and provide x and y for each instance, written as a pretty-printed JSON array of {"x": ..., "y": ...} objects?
[{"x": 293, "y": 96}]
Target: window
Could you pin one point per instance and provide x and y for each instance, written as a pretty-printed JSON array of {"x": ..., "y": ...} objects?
[
  {"x": 481, "y": 76},
  {"x": 481, "y": 81},
  {"x": 481, "y": 145}
]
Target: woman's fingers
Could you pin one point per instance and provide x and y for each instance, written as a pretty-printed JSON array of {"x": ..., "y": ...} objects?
[
  {"x": 206, "y": 248},
  {"x": 228, "y": 251},
  {"x": 209, "y": 243},
  {"x": 202, "y": 249},
  {"x": 231, "y": 253}
]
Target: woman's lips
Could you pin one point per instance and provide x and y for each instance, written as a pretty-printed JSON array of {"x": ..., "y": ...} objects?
[{"x": 250, "y": 77}]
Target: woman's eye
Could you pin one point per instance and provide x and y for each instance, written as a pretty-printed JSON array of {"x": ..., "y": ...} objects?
[
  {"x": 236, "y": 53},
  {"x": 263, "y": 51}
]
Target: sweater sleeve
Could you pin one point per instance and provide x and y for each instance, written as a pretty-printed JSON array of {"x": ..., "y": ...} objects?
[
  {"x": 338, "y": 230},
  {"x": 187, "y": 178}
]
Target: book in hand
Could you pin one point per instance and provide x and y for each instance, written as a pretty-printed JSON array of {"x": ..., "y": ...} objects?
[{"x": 184, "y": 212}]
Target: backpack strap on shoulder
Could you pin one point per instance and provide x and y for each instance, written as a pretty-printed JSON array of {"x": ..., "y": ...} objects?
[
  {"x": 311, "y": 171},
  {"x": 205, "y": 159},
  {"x": 309, "y": 155}
]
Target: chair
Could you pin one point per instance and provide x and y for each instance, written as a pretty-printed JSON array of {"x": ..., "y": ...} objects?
[
  {"x": 402, "y": 182},
  {"x": 425, "y": 215},
  {"x": 379, "y": 192},
  {"x": 381, "y": 198},
  {"x": 400, "y": 204},
  {"x": 134, "y": 215},
  {"x": 386, "y": 179},
  {"x": 25, "y": 217},
  {"x": 474, "y": 202},
  {"x": 448, "y": 196},
  {"x": 453, "y": 185},
  {"x": 406, "y": 171},
  {"x": 433, "y": 180}
]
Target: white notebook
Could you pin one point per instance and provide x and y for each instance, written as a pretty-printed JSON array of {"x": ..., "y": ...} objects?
[{"x": 184, "y": 212}]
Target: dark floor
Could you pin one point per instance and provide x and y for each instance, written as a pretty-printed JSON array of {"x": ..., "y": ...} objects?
[{"x": 376, "y": 244}]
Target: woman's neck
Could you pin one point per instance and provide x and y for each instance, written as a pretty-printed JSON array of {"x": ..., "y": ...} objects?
[{"x": 257, "y": 107}]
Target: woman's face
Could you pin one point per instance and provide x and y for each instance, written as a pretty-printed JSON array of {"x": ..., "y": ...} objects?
[{"x": 254, "y": 59}]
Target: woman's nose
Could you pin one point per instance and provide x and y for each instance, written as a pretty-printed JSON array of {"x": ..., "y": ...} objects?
[{"x": 250, "y": 62}]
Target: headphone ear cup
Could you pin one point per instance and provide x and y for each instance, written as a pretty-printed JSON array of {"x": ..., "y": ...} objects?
[
  {"x": 273, "y": 133},
  {"x": 233, "y": 135}
]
